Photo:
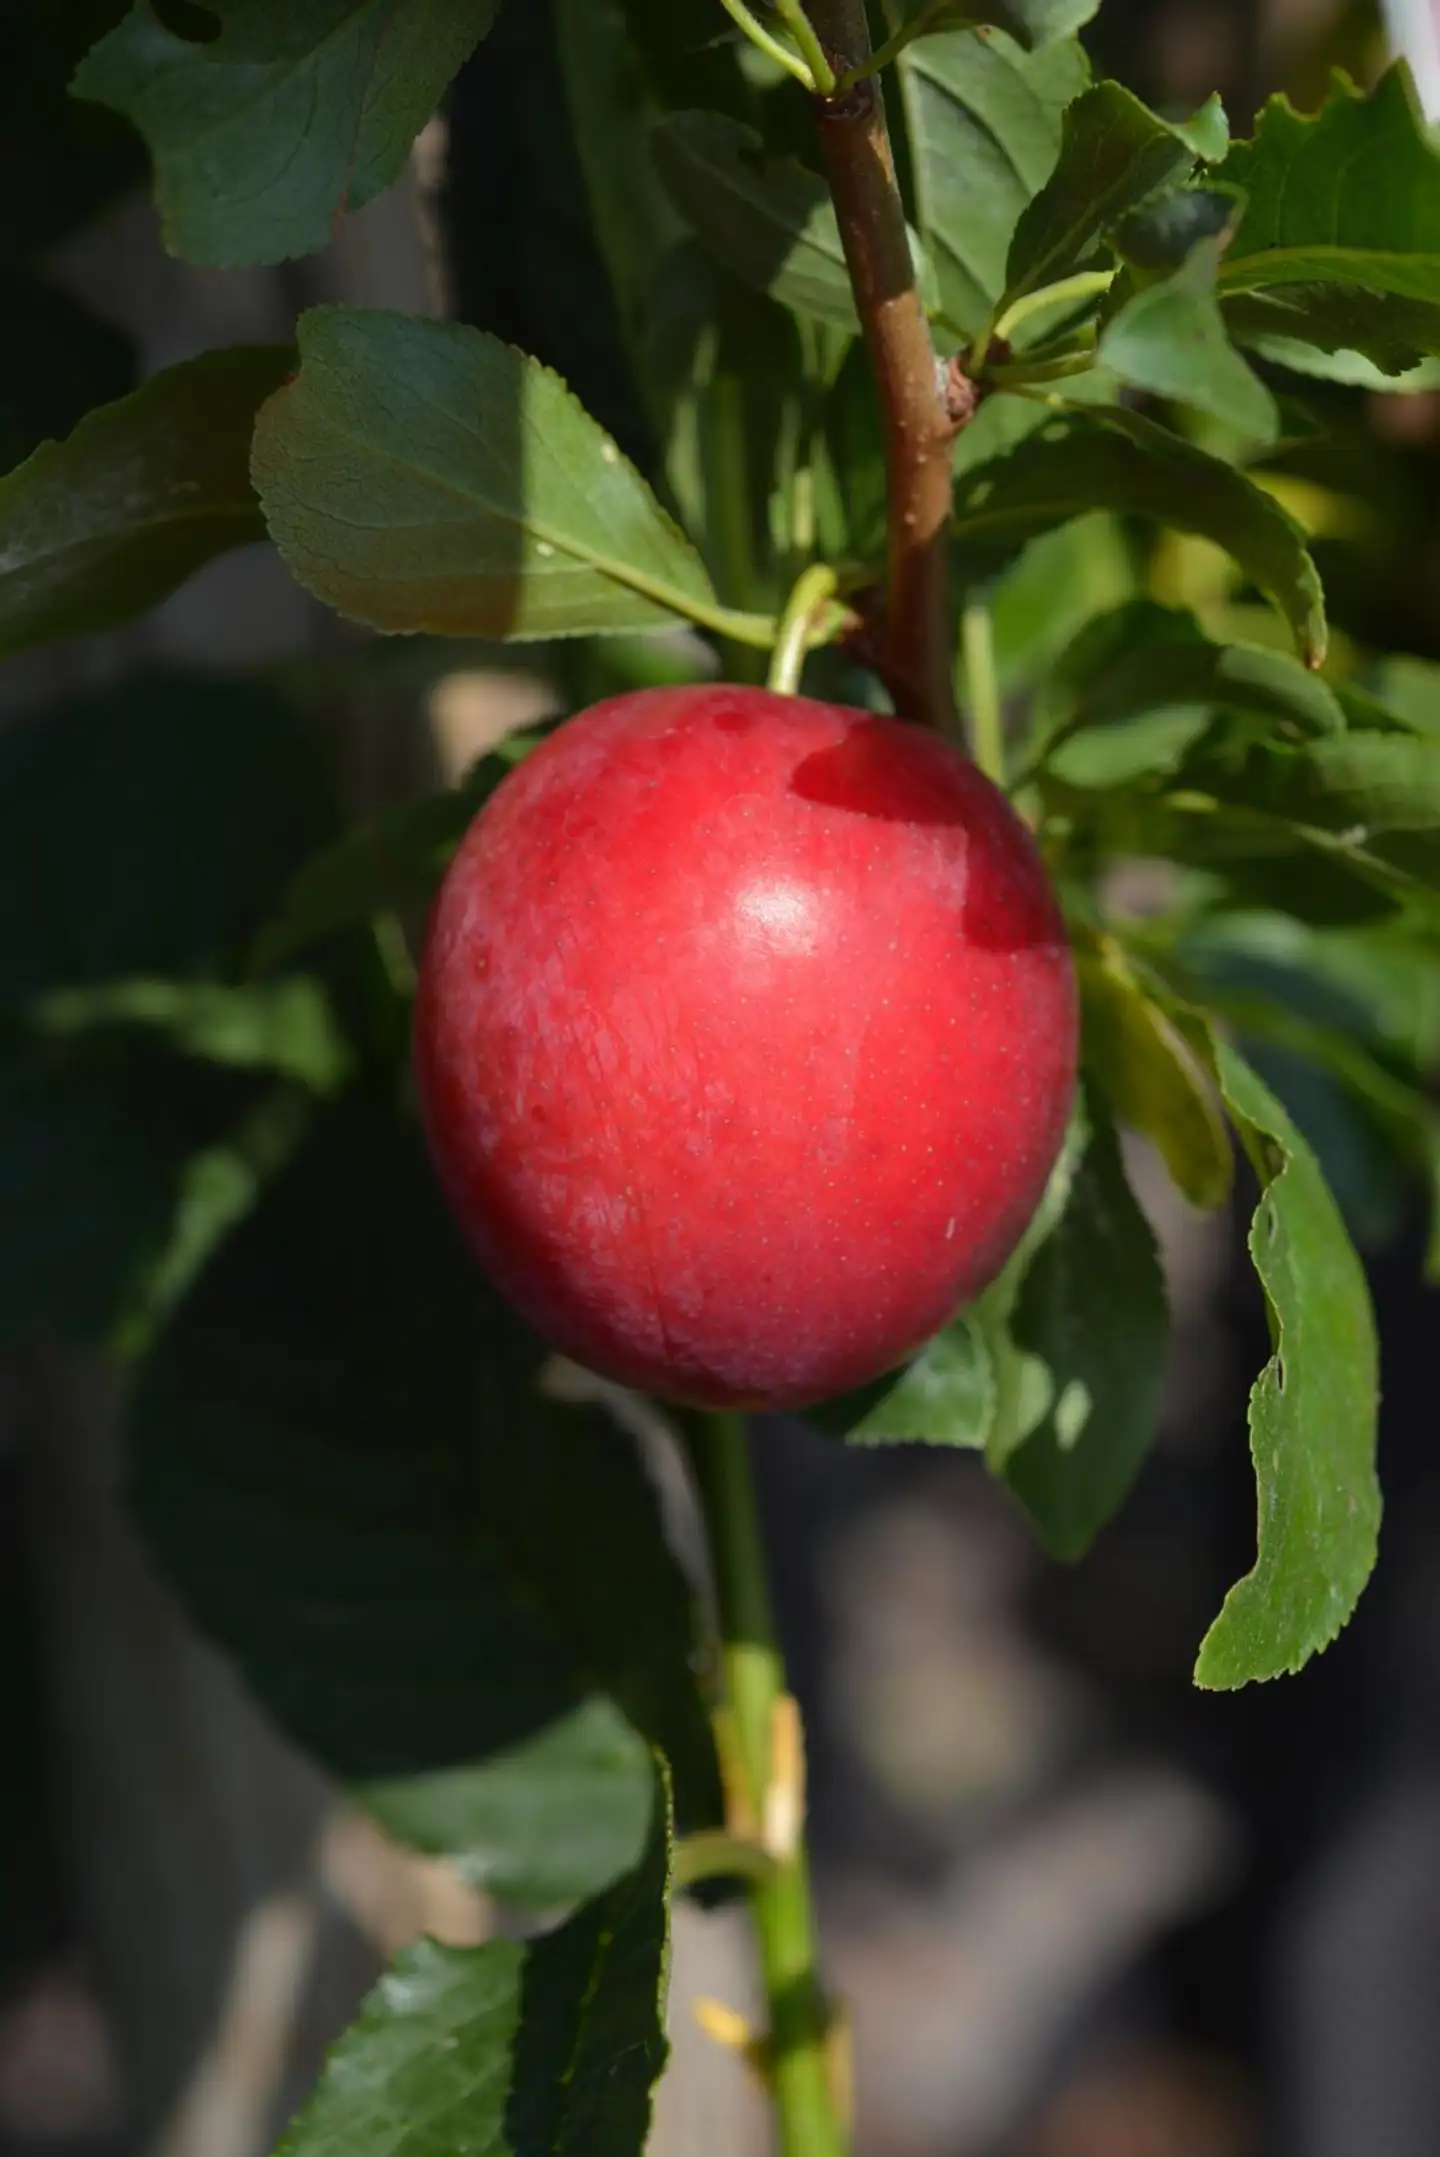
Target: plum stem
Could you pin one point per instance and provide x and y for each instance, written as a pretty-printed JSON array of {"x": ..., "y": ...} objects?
[
  {"x": 769, "y": 1765},
  {"x": 922, "y": 403}
]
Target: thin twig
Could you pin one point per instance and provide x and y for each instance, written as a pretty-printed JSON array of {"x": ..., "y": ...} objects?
[
  {"x": 915, "y": 643},
  {"x": 761, "y": 39}
]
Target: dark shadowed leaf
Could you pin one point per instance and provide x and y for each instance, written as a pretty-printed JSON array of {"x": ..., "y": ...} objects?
[
  {"x": 1089, "y": 1332},
  {"x": 57, "y": 360},
  {"x": 1114, "y": 154},
  {"x": 1339, "y": 244},
  {"x": 99, "y": 527},
  {"x": 422, "y": 475},
  {"x": 614, "y": 104},
  {"x": 1160, "y": 235},
  {"x": 984, "y": 120},
  {"x": 1149, "y": 1074},
  {"x": 393, "y": 862},
  {"x": 285, "y": 1027},
  {"x": 145, "y": 830},
  {"x": 1110, "y": 458},
  {"x": 549, "y": 2049},
  {"x": 342, "y": 1457},
  {"x": 1313, "y": 1410},
  {"x": 92, "y": 1158},
  {"x": 263, "y": 134},
  {"x": 770, "y": 220}
]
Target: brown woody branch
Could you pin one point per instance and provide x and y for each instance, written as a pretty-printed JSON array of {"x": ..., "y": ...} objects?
[{"x": 921, "y": 409}]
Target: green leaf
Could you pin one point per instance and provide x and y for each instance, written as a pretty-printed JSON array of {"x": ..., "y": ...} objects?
[
  {"x": 956, "y": 1392},
  {"x": 425, "y": 1567},
  {"x": 1142, "y": 684},
  {"x": 146, "y": 831},
  {"x": 1410, "y": 690},
  {"x": 1165, "y": 231},
  {"x": 95, "y": 529},
  {"x": 1109, "y": 458},
  {"x": 549, "y": 2049},
  {"x": 143, "y": 833},
  {"x": 1171, "y": 340},
  {"x": 492, "y": 504},
  {"x": 614, "y": 106},
  {"x": 1313, "y": 1411},
  {"x": 56, "y": 361},
  {"x": 538, "y": 1823},
  {"x": 1285, "y": 992},
  {"x": 984, "y": 123},
  {"x": 1369, "y": 795},
  {"x": 394, "y": 861},
  {"x": 1339, "y": 244},
  {"x": 1149, "y": 1074},
  {"x": 1114, "y": 154},
  {"x": 286, "y": 1027},
  {"x": 265, "y": 133},
  {"x": 1321, "y": 345},
  {"x": 769, "y": 220},
  {"x": 1029, "y": 22},
  {"x": 92, "y": 1159},
  {"x": 1207, "y": 130},
  {"x": 946, "y": 1396},
  {"x": 1090, "y": 1328}
]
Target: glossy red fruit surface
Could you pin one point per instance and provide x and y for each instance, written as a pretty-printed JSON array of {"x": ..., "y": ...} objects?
[{"x": 745, "y": 1041}]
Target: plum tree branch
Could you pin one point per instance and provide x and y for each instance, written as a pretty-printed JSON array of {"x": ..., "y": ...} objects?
[{"x": 918, "y": 403}]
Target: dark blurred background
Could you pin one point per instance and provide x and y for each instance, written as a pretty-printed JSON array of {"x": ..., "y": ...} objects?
[{"x": 1076, "y": 1908}]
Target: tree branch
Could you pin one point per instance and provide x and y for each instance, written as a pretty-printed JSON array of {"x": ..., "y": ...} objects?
[{"x": 920, "y": 419}]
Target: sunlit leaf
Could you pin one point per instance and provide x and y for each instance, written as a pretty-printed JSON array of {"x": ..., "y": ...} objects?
[
  {"x": 1313, "y": 1410},
  {"x": 985, "y": 121},
  {"x": 509, "y": 2050},
  {"x": 1171, "y": 340},
  {"x": 421, "y": 475},
  {"x": 1150, "y": 1075},
  {"x": 1110, "y": 458},
  {"x": 1114, "y": 153},
  {"x": 1339, "y": 244},
  {"x": 1088, "y": 1333}
]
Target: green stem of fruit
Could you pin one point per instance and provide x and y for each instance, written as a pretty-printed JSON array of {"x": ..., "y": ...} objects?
[
  {"x": 982, "y": 692},
  {"x": 814, "y": 590},
  {"x": 770, "y": 1788}
]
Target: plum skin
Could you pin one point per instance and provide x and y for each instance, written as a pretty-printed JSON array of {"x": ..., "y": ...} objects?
[{"x": 745, "y": 1041}]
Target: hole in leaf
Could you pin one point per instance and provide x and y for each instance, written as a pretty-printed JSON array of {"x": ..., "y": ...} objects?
[{"x": 187, "y": 19}]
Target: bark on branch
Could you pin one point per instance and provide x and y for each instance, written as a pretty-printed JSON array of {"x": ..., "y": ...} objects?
[{"x": 918, "y": 408}]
